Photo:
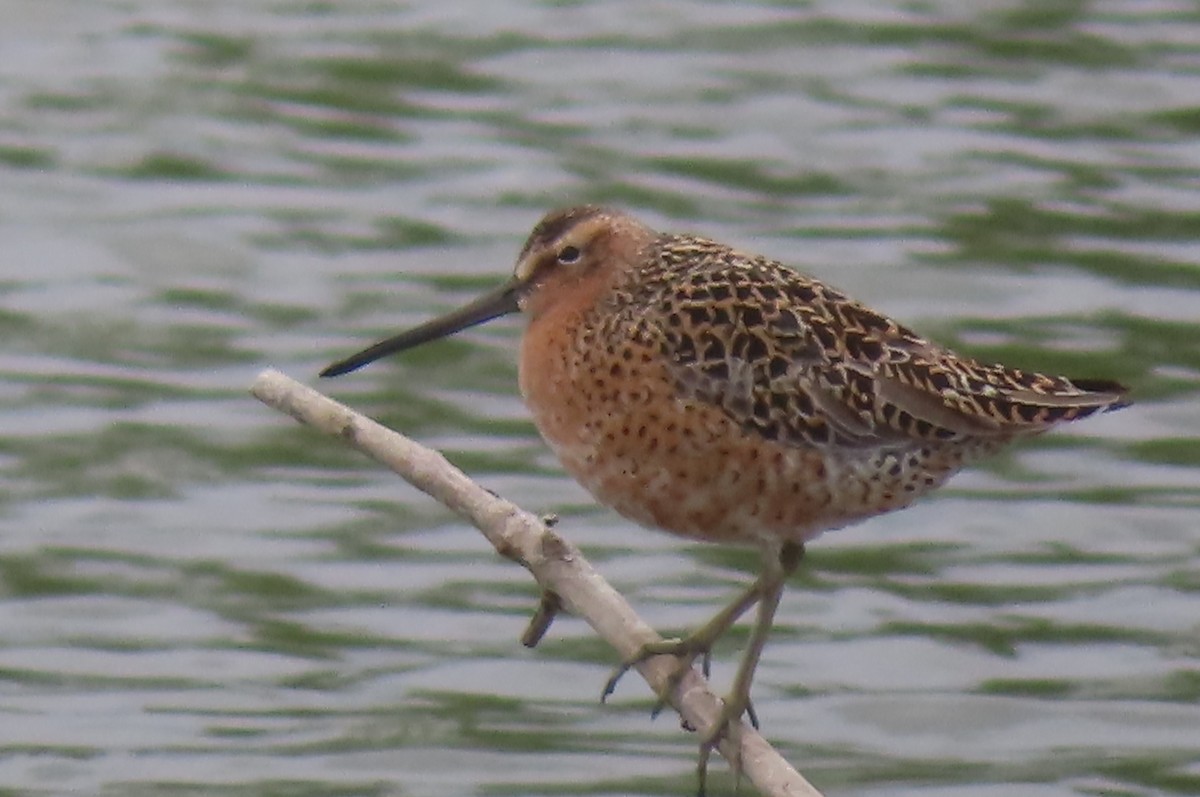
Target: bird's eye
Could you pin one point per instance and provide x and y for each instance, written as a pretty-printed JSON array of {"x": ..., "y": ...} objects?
[{"x": 569, "y": 254}]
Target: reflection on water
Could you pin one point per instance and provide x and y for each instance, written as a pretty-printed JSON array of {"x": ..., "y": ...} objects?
[{"x": 199, "y": 597}]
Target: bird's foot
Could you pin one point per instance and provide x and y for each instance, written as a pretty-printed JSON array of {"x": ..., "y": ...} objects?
[
  {"x": 685, "y": 650},
  {"x": 727, "y": 725}
]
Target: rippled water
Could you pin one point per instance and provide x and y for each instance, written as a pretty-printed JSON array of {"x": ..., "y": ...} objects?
[{"x": 199, "y": 597}]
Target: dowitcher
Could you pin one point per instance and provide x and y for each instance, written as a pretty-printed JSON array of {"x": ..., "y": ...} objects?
[{"x": 724, "y": 397}]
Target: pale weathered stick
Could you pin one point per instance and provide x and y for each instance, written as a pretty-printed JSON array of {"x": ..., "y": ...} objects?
[{"x": 555, "y": 563}]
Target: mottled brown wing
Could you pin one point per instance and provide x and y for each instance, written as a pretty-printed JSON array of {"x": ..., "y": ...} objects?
[{"x": 802, "y": 364}]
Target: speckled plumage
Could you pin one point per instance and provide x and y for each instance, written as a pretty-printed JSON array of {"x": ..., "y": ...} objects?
[{"x": 724, "y": 397}]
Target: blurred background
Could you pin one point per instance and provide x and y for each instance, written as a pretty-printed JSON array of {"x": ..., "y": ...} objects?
[{"x": 197, "y": 596}]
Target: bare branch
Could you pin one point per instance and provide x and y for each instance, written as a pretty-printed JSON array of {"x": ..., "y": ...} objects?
[{"x": 565, "y": 576}]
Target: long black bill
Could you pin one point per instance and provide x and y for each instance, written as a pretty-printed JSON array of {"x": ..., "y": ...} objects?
[{"x": 501, "y": 301}]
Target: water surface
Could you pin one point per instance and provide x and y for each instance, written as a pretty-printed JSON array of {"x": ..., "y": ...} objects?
[{"x": 199, "y": 597}]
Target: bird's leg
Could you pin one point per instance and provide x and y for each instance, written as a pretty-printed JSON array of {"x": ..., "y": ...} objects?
[
  {"x": 706, "y": 671},
  {"x": 686, "y": 649},
  {"x": 777, "y": 567}
]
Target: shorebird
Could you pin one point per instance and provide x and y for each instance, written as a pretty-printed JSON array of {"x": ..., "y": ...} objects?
[{"x": 724, "y": 397}]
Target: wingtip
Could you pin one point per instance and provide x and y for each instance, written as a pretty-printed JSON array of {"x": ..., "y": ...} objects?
[{"x": 1116, "y": 392}]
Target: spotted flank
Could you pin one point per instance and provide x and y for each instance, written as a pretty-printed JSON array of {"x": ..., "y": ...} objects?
[{"x": 724, "y": 397}]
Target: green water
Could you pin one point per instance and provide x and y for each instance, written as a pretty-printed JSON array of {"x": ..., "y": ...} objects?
[{"x": 199, "y": 597}]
